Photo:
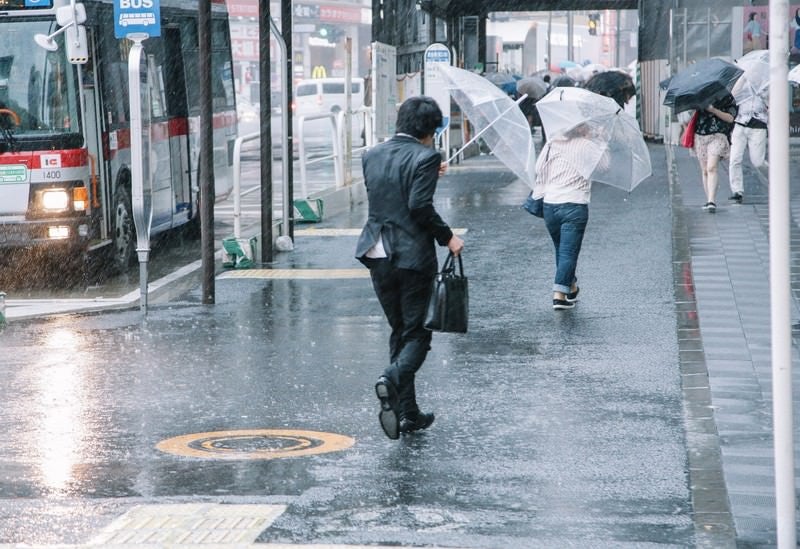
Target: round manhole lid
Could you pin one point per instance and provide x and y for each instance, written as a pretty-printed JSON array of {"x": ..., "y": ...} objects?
[{"x": 254, "y": 444}]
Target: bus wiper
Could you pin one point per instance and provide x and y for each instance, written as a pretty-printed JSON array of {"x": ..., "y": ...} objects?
[{"x": 8, "y": 142}]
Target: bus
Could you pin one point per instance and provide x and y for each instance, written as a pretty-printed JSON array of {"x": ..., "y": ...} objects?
[{"x": 65, "y": 173}]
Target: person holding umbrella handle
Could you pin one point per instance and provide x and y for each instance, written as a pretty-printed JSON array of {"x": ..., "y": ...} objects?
[{"x": 712, "y": 143}]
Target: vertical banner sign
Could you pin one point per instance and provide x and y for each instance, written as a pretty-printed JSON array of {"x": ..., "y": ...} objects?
[
  {"x": 384, "y": 90},
  {"x": 437, "y": 55}
]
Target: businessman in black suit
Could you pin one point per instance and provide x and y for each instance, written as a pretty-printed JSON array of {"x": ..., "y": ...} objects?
[{"x": 398, "y": 245}]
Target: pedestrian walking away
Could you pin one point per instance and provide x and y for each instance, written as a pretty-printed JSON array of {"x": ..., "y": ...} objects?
[
  {"x": 749, "y": 132},
  {"x": 565, "y": 194},
  {"x": 398, "y": 245},
  {"x": 712, "y": 144}
]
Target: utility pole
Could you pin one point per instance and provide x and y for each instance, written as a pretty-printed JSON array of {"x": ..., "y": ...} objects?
[
  {"x": 206, "y": 157},
  {"x": 265, "y": 99}
]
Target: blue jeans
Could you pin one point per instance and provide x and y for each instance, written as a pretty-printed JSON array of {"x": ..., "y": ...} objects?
[{"x": 566, "y": 224}]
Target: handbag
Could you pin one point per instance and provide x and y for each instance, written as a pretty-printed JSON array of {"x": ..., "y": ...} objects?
[
  {"x": 448, "y": 308},
  {"x": 687, "y": 139},
  {"x": 534, "y": 206}
]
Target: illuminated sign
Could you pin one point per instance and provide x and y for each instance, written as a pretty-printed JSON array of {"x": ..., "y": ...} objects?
[{"x": 25, "y": 4}]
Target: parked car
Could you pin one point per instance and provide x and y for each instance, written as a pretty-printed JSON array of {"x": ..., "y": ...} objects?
[{"x": 326, "y": 95}]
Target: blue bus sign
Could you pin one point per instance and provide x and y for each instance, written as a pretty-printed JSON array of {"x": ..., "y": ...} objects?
[{"x": 137, "y": 17}]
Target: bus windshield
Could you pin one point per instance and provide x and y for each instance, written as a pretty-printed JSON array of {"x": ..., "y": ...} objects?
[{"x": 38, "y": 88}]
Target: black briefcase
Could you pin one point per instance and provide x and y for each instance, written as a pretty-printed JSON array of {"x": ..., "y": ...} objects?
[{"x": 448, "y": 309}]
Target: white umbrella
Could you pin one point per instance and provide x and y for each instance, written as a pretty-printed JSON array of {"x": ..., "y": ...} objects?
[
  {"x": 497, "y": 119},
  {"x": 755, "y": 79},
  {"x": 794, "y": 74},
  {"x": 620, "y": 157}
]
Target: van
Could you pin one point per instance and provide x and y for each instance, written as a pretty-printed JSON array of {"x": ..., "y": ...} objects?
[{"x": 327, "y": 95}]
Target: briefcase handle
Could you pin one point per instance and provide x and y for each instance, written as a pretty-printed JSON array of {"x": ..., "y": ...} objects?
[{"x": 449, "y": 266}]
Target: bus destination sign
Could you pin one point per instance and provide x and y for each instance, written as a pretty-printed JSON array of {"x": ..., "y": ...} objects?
[{"x": 6, "y": 5}]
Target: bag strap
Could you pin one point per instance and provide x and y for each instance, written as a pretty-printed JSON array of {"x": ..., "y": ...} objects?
[{"x": 450, "y": 267}]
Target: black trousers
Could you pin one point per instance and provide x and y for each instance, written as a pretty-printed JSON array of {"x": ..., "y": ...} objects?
[{"x": 404, "y": 296}]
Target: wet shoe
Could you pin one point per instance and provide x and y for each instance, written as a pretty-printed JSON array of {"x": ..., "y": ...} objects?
[
  {"x": 561, "y": 304},
  {"x": 736, "y": 197},
  {"x": 422, "y": 421},
  {"x": 710, "y": 207},
  {"x": 573, "y": 296},
  {"x": 388, "y": 417}
]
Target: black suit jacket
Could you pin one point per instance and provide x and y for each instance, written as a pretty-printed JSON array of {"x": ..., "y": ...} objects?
[{"x": 400, "y": 176}]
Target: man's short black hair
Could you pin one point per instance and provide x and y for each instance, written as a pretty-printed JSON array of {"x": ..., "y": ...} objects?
[{"x": 419, "y": 116}]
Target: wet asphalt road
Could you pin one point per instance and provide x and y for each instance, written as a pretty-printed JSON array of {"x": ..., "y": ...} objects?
[{"x": 553, "y": 429}]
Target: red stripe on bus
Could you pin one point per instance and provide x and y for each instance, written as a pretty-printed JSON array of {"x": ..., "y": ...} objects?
[
  {"x": 175, "y": 127},
  {"x": 69, "y": 158}
]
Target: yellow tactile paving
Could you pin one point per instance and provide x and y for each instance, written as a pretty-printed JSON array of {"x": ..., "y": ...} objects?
[
  {"x": 311, "y": 231},
  {"x": 196, "y": 524},
  {"x": 296, "y": 274}
]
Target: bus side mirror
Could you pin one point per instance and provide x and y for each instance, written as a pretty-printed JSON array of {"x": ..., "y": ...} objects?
[{"x": 70, "y": 19}]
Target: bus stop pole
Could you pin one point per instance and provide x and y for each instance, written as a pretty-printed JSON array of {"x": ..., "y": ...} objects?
[
  {"x": 206, "y": 157},
  {"x": 780, "y": 275}
]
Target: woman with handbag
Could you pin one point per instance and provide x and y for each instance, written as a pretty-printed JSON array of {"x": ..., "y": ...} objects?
[
  {"x": 712, "y": 135},
  {"x": 564, "y": 194}
]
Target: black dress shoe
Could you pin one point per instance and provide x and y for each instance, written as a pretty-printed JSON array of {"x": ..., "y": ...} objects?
[
  {"x": 422, "y": 421},
  {"x": 388, "y": 416}
]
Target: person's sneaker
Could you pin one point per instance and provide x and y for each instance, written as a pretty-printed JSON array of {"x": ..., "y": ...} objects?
[
  {"x": 561, "y": 304},
  {"x": 422, "y": 421},
  {"x": 573, "y": 296},
  {"x": 388, "y": 417},
  {"x": 736, "y": 197},
  {"x": 710, "y": 207}
]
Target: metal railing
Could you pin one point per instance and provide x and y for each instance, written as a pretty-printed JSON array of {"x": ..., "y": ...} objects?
[
  {"x": 337, "y": 122},
  {"x": 237, "y": 181}
]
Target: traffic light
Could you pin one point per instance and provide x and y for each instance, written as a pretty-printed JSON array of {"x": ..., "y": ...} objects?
[
  {"x": 594, "y": 18},
  {"x": 330, "y": 33}
]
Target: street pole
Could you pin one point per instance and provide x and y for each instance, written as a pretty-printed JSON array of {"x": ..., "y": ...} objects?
[
  {"x": 348, "y": 111},
  {"x": 206, "y": 156},
  {"x": 265, "y": 101},
  {"x": 780, "y": 274},
  {"x": 288, "y": 75}
]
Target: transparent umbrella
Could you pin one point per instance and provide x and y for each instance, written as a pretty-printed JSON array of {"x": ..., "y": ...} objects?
[
  {"x": 497, "y": 119},
  {"x": 755, "y": 80},
  {"x": 620, "y": 158}
]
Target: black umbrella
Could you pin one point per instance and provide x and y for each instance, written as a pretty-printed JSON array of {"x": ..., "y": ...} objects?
[
  {"x": 564, "y": 81},
  {"x": 615, "y": 84},
  {"x": 700, "y": 84}
]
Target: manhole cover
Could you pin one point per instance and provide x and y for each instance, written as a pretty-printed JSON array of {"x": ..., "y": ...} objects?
[{"x": 254, "y": 444}]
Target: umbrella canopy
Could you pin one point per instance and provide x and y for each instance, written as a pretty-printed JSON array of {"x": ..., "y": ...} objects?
[
  {"x": 700, "y": 84},
  {"x": 755, "y": 80},
  {"x": 619, "y": 156},
  {"x": 567, "y": 64},
  {"x": 533, "y": 86},
  {"x": 564, "y": 81},
  {"x": 794, "y": 75},
  {"x": 496, "y": 117},
  {"x": 591, "y": 69},
  {"x": 615, "y": 84},
  {"x": 502, "y": 80}
]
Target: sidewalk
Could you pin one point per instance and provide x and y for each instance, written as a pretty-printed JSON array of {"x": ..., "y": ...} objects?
[
  {"x": 599, "y": 379},
  {"x": 727, "y": 363}
]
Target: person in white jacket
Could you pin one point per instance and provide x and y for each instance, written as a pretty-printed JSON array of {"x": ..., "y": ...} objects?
[{"x": 749, "y": 132}]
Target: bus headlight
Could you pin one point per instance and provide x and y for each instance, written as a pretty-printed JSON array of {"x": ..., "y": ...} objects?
[
  {"x": 58, "y": 232},
  {"x": 55, "y": 199}
]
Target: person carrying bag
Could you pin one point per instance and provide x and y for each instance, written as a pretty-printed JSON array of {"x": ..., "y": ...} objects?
[{"x": 448, "y": 309}]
